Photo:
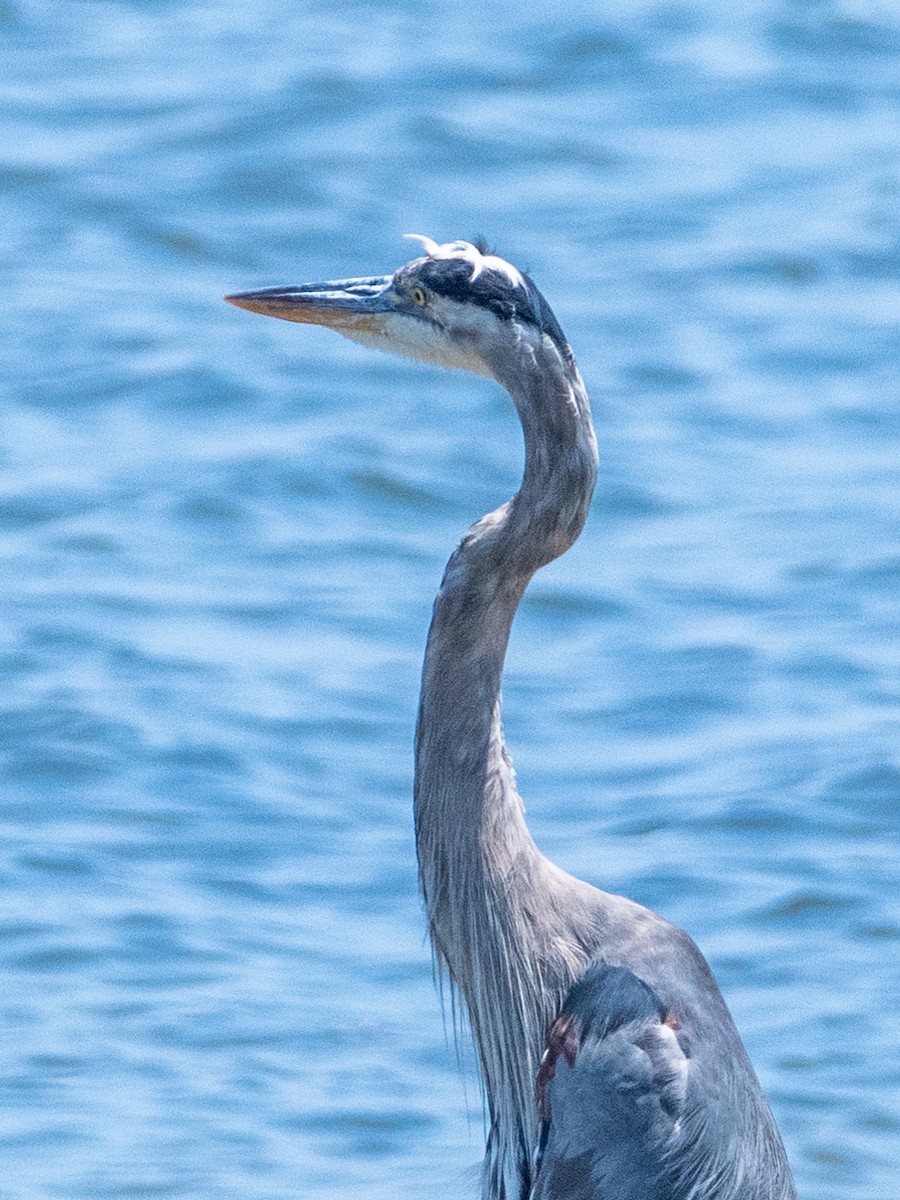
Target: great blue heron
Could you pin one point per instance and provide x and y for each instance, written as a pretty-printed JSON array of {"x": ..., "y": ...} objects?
[{"x": 611, "y": 1065}]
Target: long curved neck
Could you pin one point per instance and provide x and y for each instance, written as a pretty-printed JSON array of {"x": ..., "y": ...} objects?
[{"x": 480, "y": 871}]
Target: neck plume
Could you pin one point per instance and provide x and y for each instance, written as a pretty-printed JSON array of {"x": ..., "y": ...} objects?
[{"x": 484, "y": 880}]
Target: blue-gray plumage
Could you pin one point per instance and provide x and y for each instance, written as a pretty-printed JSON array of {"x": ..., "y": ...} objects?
[{"x": 611, "y": 1066}]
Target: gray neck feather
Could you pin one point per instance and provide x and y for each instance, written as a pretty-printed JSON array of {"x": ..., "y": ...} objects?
[{"x": 489, "y": 892}]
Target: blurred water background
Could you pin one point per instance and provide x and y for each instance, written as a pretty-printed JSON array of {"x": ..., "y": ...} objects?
[{"x": 220, "y": 537}]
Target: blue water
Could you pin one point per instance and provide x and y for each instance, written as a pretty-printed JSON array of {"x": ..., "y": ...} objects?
[{"x": 220, "y": 537}]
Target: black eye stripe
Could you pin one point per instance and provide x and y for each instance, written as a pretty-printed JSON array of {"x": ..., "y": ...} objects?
[{"x": 491, "y": 290}]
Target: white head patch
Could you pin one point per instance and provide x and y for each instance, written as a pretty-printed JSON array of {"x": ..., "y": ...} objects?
[{"x": 469, "y": 253}]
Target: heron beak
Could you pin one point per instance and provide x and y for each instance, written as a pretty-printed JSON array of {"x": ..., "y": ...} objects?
[{"x": 348, "y": 305}]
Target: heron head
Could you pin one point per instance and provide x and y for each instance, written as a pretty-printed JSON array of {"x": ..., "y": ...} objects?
[{"x": 455, "y": 306}]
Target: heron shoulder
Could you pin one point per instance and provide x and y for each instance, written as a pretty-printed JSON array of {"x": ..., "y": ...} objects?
[
  {"x": 634, "y": 1106},
  {"x": 611, "y": 1090}
]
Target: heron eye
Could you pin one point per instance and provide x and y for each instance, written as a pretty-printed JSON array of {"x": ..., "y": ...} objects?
[{"x": 418, "y": 294}]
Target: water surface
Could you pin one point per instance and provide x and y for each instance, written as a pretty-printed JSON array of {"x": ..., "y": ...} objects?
[{"x": 220, "y": 537}]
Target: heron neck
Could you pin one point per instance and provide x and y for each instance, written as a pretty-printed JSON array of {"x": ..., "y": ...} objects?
[
  {"x": 479, "y": 867},
  {"x": 465, "y": 792}
]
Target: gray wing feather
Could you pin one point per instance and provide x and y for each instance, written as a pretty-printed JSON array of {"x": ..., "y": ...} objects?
[
  {"x": 631, "y": 1113},
  {"x": 612, "y": 1089}
]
